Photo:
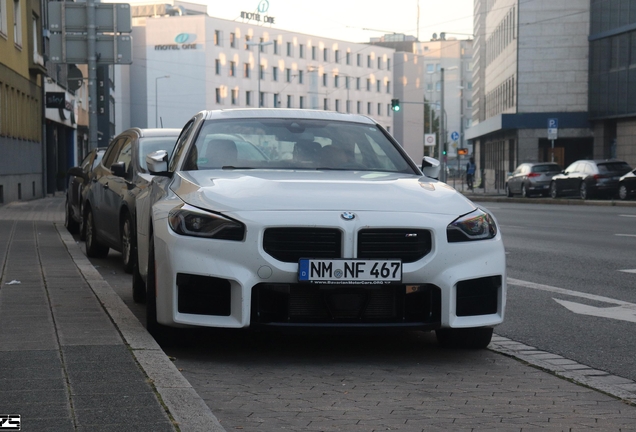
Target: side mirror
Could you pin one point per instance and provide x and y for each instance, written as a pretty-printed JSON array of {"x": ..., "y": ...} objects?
[
  {"x": 157, "y": 162},
  {"x": 77, "y": 172},
  {"x": 431, "y": 167},
  {"x": 118, "y": 169}
]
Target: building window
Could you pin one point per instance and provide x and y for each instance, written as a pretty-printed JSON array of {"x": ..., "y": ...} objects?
[
  {"x": 429, "y": 86},
  {"x": 261, "y": 72},
  {"x": 337, "y": 56},
  {"x": 289, "y": 101},
  {"x": 469, "y": 104},
  {"x": 246, "y": 70},
  {"x": 368, "y": 84},
  {"x": 379, "y": 108},
  {"x": 335, "y": 81},
  {"x": 348, "y": 58},
  {"x": 325, "y": 104},
  {"x": 232, "y": 40},
  {"x": 438, "y": 86},
  {"x": 338, "y": 105},
  {"x": 369, "y": 108},
  {"x": 261, "y": 47},
  {"x": 358, "y": 60},
  {"x": 275, "y": 73},
  {"x": 276, "y": 100},
  {"x": 3, "y": 18},
  {"x": 247, "y": 39},
  {"x": 379, "y": 62},
  {"x": 430, "y": 68},
  {"x": 248, "y": 98},
  {"x": 288, "y": 75},
  {"x": 388, "y": 64},
  {"x": 275, "y": 46},
  {"x": 300, "y": 77},
  {"x": 325, "y": 54},
  {"x": 217, "y": 37},
  {"x": 378, "y": 85},
  {"x": 261, "y": 99},
  {"x": 324, "y": 80},
  {"x": 358, "y": 83},
  {"x": 301, "y": 102},
  {"x": 313, "y": 53},
  {"x": 469, "y": 85},
  {"x": 217, "y": 66},
  {"x": 301, "y": 51},
  {"x": 359, "y": 107},
  {"x": 290, "y": 49},
  {"x": 347, "y": 82},
  {"x": 368, "y": 61},
  {"x": 17, "y": 23},
  {"x": 218, "y": 95},
  {"x": 232, "y": 68},
  {"x": 235, "y": 96},
  {"x": 388, "y": 86}
]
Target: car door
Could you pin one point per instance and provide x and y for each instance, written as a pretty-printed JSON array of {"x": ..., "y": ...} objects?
[
  {"x": 115, "y": 192},
  {"x": 513, "y": 182},
  {"x": 570, "y": 182},
  {"x": 96, "y": 195}
]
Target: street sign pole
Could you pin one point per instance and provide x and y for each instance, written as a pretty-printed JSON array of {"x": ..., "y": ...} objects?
[
  {"x": 92, "y": 74},
  {"x": 553, "y": 129}
]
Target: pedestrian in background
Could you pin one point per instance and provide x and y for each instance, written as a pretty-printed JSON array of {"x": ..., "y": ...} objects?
[{"x": 470, "y": 173}]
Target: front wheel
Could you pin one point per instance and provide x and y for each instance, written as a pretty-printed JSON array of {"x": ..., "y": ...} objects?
[
  {"x": 554, "y": 193},
  {"x": 465, "y": 338},
  {"x": 162, "y": 334},
  {"x": 128, "y": 245},
  {"x": 583, "y": 192},
  {"x": 524, "y": 191},
  {"x": 622, "y": 192},
  {"x": 71, "y": 224},
  {"x": 94, "y": 249},
  {"x": 509, "y": 193}
]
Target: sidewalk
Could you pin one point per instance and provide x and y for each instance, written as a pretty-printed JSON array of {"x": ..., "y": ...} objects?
[{"x": 72, "y": 356}]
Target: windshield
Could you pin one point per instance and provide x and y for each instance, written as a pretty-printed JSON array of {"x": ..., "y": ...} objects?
[
  {"x": 293, "y": 144},
  {"x": 546, "y": 168}
]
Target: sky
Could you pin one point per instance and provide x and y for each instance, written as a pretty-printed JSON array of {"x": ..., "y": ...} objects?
[{"x": 348, "y": 19}]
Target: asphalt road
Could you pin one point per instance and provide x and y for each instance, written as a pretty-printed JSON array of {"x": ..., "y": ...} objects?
[{"x": 583, "y": 249}]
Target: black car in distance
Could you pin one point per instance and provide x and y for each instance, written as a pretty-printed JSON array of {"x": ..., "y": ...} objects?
[
  {"x": 589, "y": 179},
  {"x": 627, "y": 185},
  {"x": 109, "y": 207}
]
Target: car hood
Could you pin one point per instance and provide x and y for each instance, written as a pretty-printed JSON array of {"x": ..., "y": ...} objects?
[{"x": 229, "y": 191}]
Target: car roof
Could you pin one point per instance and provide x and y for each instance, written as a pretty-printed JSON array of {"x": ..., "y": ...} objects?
[
  {"x": 154, "y": 132},
  {"x": 598, "y": 161},
  {"x": 286, "y": 113}
]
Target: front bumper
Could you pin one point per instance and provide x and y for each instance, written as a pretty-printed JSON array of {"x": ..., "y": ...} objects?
[{"x": 218, "y": 283}]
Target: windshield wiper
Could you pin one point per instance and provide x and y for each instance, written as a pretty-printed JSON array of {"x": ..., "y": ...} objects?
[{"x": 231, "y": 167}]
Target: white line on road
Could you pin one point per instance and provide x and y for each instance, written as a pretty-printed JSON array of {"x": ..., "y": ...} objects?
[
  {"x": 623, "y": 313},
  {"x": 629, "y": 270},
  {"x": 634, "y": 215},
  {"x": 625, "y": 235},
  {"x": 568, "y": 292}
]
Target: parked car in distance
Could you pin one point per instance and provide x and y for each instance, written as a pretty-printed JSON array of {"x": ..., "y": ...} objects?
[
  {"x": 109, "y": 207},
  {"x": 336, "y": 228},
  {"x": 627, "y": 185},
  {"x": 589, "y": 179},
  {"x": 78, "y": 180},
  {"x": 531, "y": 179}
]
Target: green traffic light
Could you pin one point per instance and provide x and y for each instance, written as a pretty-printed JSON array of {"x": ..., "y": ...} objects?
[{"x": 396, "y": 108}]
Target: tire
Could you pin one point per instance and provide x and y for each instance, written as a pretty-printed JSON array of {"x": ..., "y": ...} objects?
[
  {"x": 524, "y": 191},
  {"x": 509, "y": 193},
  {"x": 622, "y": 192},
  {"x": 138, "y": 285},
  {"x": 164, "y": 335},
  {"x": 82, "y": 226},
  {"x": 554, "y": 193},
  {"x": 128, "y": 244},
  {"x": 464, "y": 338},
  {"x": 583, "y": 192},
  {"x": 94, "y": 249},
  {"x": 71, "y": 224}
]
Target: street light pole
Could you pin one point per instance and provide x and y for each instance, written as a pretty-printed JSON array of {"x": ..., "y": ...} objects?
[
  {"x": 157, "y": 99},
  {"x": 442, "y": 138},
  {"x": 258, "y": 66}
]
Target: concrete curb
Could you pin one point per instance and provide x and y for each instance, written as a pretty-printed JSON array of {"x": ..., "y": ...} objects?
[
  {"x": 621, "y": 388},
  {"x": 186, "y": 407}
]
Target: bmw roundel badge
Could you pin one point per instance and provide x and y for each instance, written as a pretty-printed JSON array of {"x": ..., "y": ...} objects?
[{"x": 348, "y": 216}]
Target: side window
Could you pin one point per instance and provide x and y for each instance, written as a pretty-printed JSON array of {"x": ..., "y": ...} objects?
[
  {"x": 125, "y": 155},
  {"x": 111, "y": 153},
  {"x": 571, "y": 168},
  {"x": 180, "y": 145}
]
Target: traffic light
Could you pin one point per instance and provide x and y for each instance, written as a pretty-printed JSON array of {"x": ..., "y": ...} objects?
[
  {"x": 395, "y": 104},
  {"x": 444, "y": 152}
]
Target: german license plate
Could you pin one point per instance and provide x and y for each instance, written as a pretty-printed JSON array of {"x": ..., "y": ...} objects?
[{"x": 349, "y": 272}]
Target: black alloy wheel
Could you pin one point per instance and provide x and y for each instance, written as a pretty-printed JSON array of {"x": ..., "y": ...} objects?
[
  {"x": 554, "y": 193},
  {"x": 464, "y": 338},
  {"x": 128, "y": 244},
  {"x": 94, "y": 249},
  {"x": 583, "y": 192},
  {"x": 524, "y": 191},
  {"x": 509, "y": 193},
  {"x": 622, "y": 192}
]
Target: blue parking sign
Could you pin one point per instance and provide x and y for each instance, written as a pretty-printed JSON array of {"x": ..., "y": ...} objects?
[{"x": 553, "y": 123}]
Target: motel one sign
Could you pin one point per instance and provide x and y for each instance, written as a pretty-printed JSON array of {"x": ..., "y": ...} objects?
[{"x": 263, "y": 7}]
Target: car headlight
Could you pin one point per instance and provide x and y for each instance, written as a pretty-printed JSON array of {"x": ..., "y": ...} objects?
[
  {"x": 476, "y": 225},
  {"x": 189, "y": 221}
]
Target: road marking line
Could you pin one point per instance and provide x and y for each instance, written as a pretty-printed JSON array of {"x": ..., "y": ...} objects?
[
  {"x": 634, "y": 216},
  {"x": 629, "y": 271},
  {"x": 623, "y": 313},
  {"x": 625, "y": 235},
  {"x": 568, "y": 292}
]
